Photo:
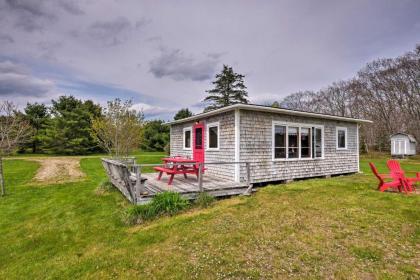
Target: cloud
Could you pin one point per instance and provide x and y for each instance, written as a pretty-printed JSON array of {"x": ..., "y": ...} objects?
[
  {"x": 113, "y": 32},
  {"x": 151, "y": 111},
  {"x": 32, "y": 16},
  {"x": 5, "y": 38},
  {"x": 177, "y": 66},
  {"x": 17, "y": 81}
]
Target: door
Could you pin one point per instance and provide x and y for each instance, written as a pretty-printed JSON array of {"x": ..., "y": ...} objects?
[
  {"x": 399, "y": 147},
  {"x": 198, "y": 142}
]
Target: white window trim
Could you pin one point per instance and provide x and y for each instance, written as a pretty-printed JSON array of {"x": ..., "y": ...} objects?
[
  {"x": 345, "y": 137},
  {"x": 214, "y": 124},
  {"x": 299, "y": 125},
  {"x": 183, "y": 138}
]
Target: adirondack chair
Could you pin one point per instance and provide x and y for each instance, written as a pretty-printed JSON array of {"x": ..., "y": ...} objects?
[
  {"x": 395, "y": 167},
  {"x": 383, "y": 185}
]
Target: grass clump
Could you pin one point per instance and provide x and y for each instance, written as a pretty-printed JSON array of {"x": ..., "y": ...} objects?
[
  {"x": 204, "y": 200},
  {"x": 104, "y": 187},
  {"x": 166, "y": 203}
]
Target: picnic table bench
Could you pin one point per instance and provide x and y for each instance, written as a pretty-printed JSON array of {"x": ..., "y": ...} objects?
[{"x": 177, "y": 165}]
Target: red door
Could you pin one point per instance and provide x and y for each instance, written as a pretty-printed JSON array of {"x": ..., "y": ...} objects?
[{"x": 198, "y": 142}]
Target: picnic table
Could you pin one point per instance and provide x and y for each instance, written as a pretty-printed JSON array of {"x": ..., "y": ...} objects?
[{"x": 177, "y": 165}]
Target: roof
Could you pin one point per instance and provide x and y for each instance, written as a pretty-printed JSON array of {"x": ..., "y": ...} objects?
[
  {"x": 261, "y": 108},
  {"x": 410, "y": 137}
]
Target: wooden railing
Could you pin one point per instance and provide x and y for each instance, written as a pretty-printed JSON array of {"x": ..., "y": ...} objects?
[{"x": 126, "y": 175}]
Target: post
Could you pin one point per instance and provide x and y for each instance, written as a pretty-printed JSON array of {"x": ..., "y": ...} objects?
[
  {"x": 248, "y": 173},
  {"x": 248, "y": 179},
  {"x": 200, "y": 177},
  {"x": 3, "y": 189},
  {"x": 139, "y": 188}
]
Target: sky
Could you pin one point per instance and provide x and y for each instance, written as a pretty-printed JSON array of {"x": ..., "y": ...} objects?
[{"x": 163, "y": 55}]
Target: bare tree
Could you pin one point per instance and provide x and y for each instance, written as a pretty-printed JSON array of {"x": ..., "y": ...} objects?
[
  {"x": 14, "y": 129},
  {"x": 386, "y": 91},
  {"x": 119, "y": 130}
]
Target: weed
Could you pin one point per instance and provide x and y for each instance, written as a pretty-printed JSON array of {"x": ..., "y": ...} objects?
[{"x": 204, "y": 200}]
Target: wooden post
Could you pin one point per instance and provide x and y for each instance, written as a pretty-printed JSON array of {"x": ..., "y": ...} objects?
[
  {"x": 248, "y": 179},
  {"x": 248, "y": 173},
  {"x": 139, "y": 187},
  {"x": 200, "y": 177}
]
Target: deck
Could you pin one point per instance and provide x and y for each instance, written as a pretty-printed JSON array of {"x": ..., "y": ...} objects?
[{"x": 188, "y": 188}]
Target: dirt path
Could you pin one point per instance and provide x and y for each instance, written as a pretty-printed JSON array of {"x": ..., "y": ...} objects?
[{"x": 58, "y": 170}]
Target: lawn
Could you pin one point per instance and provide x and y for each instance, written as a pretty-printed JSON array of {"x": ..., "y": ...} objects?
[{"x": 320, "y": 228}]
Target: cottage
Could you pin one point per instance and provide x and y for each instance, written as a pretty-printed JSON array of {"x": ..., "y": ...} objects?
[
  {"x": 279, "y": 144},
  {"x": 403, "y": 144}
]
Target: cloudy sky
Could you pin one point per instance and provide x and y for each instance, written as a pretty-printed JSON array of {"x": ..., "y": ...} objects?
[{"x": 163, "y": 55}]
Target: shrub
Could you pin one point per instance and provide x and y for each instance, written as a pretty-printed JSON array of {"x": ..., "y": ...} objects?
[
  {"x": 204, "y": 200},
  {"x": 166, "y": 203}
]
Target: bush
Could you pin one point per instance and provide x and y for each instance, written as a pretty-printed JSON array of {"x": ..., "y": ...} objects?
[
  {"x": 166, "y": 203},
  {"x": 204, "y": 200}
]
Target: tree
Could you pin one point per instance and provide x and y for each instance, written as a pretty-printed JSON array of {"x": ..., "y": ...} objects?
[
  {"x": 118, "y": 131},
  {"x": 155, "y": 136},
  {"x": 229, "y": 89},
  {"x": 37, "y": 116},
  {"x": 70, "y": 128},
  {"x": 14, "y": 129},
  {"x": 182, "y": 114},
  {"x": 275, "y": 104}
]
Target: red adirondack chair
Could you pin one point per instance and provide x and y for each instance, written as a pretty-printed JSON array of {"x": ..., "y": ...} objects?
[
  {"x": 396, "y": 182},
  {"x": 395, "y": 167}
]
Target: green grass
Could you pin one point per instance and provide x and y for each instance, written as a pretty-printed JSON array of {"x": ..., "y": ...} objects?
[{"x": 322, "y": 228}]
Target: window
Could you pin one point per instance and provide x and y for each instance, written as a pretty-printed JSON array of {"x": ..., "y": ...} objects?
[
  {"x": 297, "y": 141},
  {"x": 279, "y": 141},
  {"x": 305, "y": 142},
  {"x": 198, "y": 138},
  {"x": 293, "y": 136},
  {"x": 317, "y": 143},
  {"x": 187, "y": 138},
  {"x": 213, "y": 135},
  {"x": 341, "y": 138}
]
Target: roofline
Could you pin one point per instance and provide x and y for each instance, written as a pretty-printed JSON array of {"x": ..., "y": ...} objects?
[{"x": 266, "y": 109}]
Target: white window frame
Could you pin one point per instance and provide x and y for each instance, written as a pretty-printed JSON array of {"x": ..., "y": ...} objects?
[
  {"x": 213, "y": 124},
  {"x": 345, "y": 137},
  {"x": 299, "y": 126},
  {"x": 183, "y": 138}
]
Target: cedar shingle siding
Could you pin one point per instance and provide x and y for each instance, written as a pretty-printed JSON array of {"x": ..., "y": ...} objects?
[{"x": 256, "y": 147}]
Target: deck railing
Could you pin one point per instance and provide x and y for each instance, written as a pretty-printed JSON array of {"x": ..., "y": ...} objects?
[{"x": 123, "y": 172}]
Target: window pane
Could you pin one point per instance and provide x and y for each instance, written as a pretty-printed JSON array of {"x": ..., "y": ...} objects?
[
  {"x": 199, "y": 138},
  {"x": 279, "y": 141},
  {"x": 293, "y": 150},
  {"x": 341, "y": 138},
  {"x": 305, "y": 142},
  {"x": 318, "y": 142},
  {"x": 187, "y": 139},
  {"x": 213, "y": 141}
]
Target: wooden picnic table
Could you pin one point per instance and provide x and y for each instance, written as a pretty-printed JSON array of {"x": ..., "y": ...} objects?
[{"x": 177, "y": 165}]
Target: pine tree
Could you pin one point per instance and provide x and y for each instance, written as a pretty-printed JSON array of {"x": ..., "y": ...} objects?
[
  {"x": 70, "y": 129},
  {"x": 37, "y": 116},
  {"x": 182, "y": 114},
  {"x": 229, "y": 89}
]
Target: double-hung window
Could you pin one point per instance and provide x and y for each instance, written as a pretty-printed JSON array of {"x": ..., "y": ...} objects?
[
  {"x": 187, "y": 138},
  {"x": 213, "y": 136},
  {"x": 341, "y": 133},
  {"x": 297, "y": 141}
]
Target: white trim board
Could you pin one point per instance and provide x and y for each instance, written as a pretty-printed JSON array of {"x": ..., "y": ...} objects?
[{"x": 237, "y": 144}]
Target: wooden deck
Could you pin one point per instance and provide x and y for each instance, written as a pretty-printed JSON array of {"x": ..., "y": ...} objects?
[{"x": 188, "y": 188}]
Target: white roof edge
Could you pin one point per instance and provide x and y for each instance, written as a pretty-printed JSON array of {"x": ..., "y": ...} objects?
[{"x": 267, "y": 109}]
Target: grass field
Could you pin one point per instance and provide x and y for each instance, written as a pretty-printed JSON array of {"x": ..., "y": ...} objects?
[{"x": 320, "y": 228}]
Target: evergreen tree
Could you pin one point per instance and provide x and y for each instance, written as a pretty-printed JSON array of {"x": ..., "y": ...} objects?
[
  {"x": 275, "y": 104},
  {"x": 229, "y": 89},
  {"x": 37, "y": 115},
  {"x": 182, "y": 114},
  {"x": 155, "y": 136},
  {"x": 70, "y": 129}
]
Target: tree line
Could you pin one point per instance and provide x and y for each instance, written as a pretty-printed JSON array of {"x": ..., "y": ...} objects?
[
  {"x": 69, "y": 126},
  {"x": 386, "y": 91}
]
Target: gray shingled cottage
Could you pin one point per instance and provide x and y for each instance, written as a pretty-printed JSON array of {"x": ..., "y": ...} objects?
[{"x": 280, "y": 144}]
